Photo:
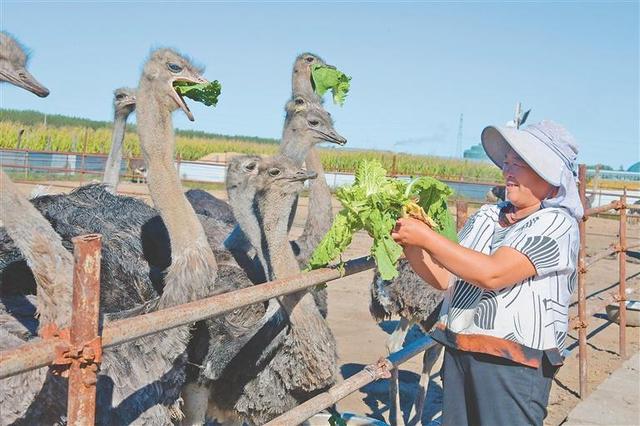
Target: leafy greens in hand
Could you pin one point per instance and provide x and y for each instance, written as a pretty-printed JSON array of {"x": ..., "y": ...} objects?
[
  {"x": 325, "y": 78},
  {"x": 207, "y": 93},
  {"x": 374, "y": 203}
]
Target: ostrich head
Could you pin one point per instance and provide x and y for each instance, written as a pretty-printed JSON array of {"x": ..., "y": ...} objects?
[
  {"x": 306, "y": 125},
  {"x": 13, "y": 61},
  {"x": 162, "y": 70},
  {"x": 301, "y": 76},
  {"x": 279, "y": 178},
  {"x": 310, "y": 119},
  {"x": 124, "y": 101},
  {"x": 240, "y": 173}
]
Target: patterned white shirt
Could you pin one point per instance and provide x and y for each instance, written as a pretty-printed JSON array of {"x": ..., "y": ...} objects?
[{"x": 526, "y": 319}]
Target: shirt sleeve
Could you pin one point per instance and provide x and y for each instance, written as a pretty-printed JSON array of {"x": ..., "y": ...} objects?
[{"x": 549, "y": 240}]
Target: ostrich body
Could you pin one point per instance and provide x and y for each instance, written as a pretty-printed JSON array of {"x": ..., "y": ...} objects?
[{"x": 124, "y": 103}]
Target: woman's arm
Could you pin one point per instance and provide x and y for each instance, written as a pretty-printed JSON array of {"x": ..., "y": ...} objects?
[
  {"x": 432, "y": 272},
  {"x": 501, "y": 269}
]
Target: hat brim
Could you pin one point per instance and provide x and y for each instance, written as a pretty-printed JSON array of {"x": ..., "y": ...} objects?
[{"x": 497, "y": 141}]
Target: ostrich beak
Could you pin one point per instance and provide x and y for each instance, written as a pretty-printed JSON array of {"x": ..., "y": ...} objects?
[
  {"x": 332, "y": 136},
  {"x": 129, "y": 101},
  {"x": 177, "y": 97},
  {"x": 22, "y": 78},
  {"x": 302, "y": 175}
]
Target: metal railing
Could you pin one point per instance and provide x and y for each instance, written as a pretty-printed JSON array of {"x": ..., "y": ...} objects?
[
  {"x": 80, "y": 349},
  {"x": 580, "y": 323}
]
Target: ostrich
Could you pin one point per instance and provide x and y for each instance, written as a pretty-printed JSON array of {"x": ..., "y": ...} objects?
[
  {"x": 42, "y": 247},
  {"x": 310, "y": 124},
  {"x": 13, "y": 61},
  {"x": 302, "y": 360},
  {"x": 318, "y": 223},
  {"x": 124, "y": 102},
  {"x": 140, "y": 379}
]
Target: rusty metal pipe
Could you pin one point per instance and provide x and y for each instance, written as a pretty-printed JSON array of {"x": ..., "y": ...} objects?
[
  {"x": 582, "y": 292},
  {"x": 83, "y": 373},
  {"x": 622, "y": 259},
  {"x": 367, "y": 375},
  {"x": 614, "y": 205},
  {"x": 598, "y": 304},
  {"x": 609, "y": 251},
  {"x": 121, "y": 331}
]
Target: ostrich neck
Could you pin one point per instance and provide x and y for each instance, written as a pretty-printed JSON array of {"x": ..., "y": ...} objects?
[
  {"x": 318, "y": 223},
  {"x": 50, "y": 263},
  {"x": 301, "y": 84},
  {"x": 282, "y": 262},
  {"x": 295, "y": 144},
  {"x": 248, "y": 226},
  {"x": 193, "y": 265},
  {"x": 155, "y": 129},
  {"x": 112, "y": 167}
]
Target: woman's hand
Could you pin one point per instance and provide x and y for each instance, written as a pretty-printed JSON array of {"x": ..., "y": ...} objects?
[{"x": 411, "y": 232}]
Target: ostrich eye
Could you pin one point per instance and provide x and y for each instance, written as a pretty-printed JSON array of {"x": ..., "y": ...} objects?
[
  {"x": 120, "y": 96},
  {"x": 250, "y": 167},
  {"x": 274, "y": 172},
  {"x": 314, "y": 123},
  {"x": 309, "y": 58},
  {"x": 299, "y": 101},
  {"x": 174, "y": 67}
]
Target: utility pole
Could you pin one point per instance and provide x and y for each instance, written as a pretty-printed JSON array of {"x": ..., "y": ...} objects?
[{"x": 459, "y": 142}]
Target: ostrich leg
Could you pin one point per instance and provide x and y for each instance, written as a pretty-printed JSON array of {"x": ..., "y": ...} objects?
[
  {"x": 394, "y": 344},
  {"x": 429, "y": 358}
]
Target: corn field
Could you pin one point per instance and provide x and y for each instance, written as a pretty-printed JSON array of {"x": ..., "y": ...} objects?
[{"x": 83, "y": 139}]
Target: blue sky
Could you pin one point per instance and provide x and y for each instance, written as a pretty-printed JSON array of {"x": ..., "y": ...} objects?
[{"x": 415, "y": 66}]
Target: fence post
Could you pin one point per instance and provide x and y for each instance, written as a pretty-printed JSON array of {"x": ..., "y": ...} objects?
[
  {"x": 622, "y": 258},
  {"x": 26, "y": 164},
  {"x": 84, "y": 153},
  {"x": 19, "y": 143},
  {"x": 461, "y": 214},
  {"x": 84, "y": 342},
  {"x": 582, "y": 308}
]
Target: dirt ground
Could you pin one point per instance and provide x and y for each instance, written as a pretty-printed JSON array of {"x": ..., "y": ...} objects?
[{"x": 361, "y": 340}]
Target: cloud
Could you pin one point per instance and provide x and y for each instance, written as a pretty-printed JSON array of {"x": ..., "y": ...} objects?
[{"x": 441, "y": 135}]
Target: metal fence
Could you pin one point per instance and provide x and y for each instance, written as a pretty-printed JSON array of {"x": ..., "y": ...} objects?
[
  {"x": 79, "y": 350},
  {"x": 25, "y": 164}
]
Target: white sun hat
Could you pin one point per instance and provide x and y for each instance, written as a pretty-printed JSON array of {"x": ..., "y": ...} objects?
[{"x": 549, "y": 149}]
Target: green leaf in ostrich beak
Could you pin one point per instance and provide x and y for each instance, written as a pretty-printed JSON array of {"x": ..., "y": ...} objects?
[
  {"x": 328, "y": 78},
  {"x": 207, "y": 93}
]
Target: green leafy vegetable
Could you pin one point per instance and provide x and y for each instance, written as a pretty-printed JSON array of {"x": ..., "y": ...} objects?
[
  {"x": 207, "y": 93},
  {"x": 329, "y": 78},
  {"x": 374, "y": 203}
]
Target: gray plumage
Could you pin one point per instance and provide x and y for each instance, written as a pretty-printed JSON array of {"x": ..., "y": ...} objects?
[
  {"x": 407, "y": 296},
  {"x": 287, "y": 362}
]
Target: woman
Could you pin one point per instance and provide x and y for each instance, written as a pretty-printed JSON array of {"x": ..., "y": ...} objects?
[{"x": 508, "y": 283}]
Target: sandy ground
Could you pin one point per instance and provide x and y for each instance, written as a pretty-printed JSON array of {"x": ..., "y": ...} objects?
[{"x": 361, "y": 341}]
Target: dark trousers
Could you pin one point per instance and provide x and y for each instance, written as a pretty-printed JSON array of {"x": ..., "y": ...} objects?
[{"x": 481, "y": 389}]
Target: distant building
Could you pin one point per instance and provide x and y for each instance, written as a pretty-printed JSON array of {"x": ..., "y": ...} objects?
[
  {"x": 476, "y": 152},
  {"x": 635, "y": 168}
]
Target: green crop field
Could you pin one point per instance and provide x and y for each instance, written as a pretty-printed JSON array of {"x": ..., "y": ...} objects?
[{"x": 79, "y": 135}]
